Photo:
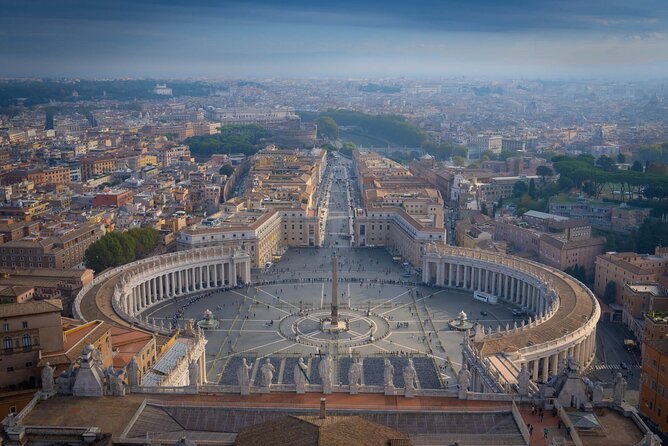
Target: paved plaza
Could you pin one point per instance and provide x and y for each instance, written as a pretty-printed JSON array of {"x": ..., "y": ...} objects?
[{"x": 414, "y": 318}]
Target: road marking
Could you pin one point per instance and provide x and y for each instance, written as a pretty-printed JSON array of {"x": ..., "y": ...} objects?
[
  {"x": 277, "y": 298},
  {"x": 390, "y": 300},
  {"x": 254, "y": 348},
  {"x": 411, "y": 303},
  {"x": 259, "y": 301}
]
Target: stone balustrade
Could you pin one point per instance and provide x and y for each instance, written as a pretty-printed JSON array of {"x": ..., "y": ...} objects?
[
  {"x": 145, "y": 283},
  {"x": 564, "y": 312}
]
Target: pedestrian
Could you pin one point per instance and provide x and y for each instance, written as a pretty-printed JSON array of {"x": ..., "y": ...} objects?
[
  {"x": 559, "y": 424},
  {"x": 541, "y": 417},
  {"x": 545, "y": 432}
]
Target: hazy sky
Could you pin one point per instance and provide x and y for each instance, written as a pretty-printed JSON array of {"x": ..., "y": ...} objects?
[{"x": 338, "y": 38}]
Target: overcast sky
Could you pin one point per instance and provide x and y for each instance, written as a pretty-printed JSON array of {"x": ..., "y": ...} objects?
[{"x": 335, "y": 38}]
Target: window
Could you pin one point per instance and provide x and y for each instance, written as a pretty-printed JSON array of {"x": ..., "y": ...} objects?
[
  {"x": 7, "y": 343},
  {"x": 27, "y": 342},
  {"x": 5, "y": 327},
  {"x": 29, "y": 364},
  {"x": 25, "y": 324},
  {"x": 10, "y": 369}
]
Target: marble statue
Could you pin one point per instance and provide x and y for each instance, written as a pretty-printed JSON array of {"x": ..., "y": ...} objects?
[
  {"x": 267, "y": 371},
  {"x": 325, "y": 371},
  {"x": 65, "y": 380},
  {"x": 572, "y": 363},
  {"x": 47, "y": 378},
  {"x": 597, "y": 393},
  {"x": 133, "y": 373},
  {"x": 389, "y": 375},
  {"x": 619, "y": 389},
  {"x": 354, "y": 376},
  {"x": 409, "y": 379},
  {"x": 523, "y": 380},
  {"x": 115, "y": 383},
  {"x": 300, "y": 375},
  {"x": 243, "y": 377},
  {"x": 193, "y": 373},
  {"x": 463, "y": 381}
]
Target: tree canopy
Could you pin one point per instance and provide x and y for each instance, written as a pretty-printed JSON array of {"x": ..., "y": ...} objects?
[
  {"x": 592, "y": 177},
  {"x": 246, "y": 139},
  {"x": 327, "y": 128},
  {"x": 226, "y": 169},
  {"x": 118, "y": 248}
]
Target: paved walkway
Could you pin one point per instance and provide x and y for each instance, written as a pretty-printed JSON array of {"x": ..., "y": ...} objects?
[{"x": 549, "y": 421}]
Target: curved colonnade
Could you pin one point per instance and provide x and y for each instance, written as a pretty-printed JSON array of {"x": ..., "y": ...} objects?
[
  {"x": 564, "y": 312},
  {"x": 145, "y": 283}
]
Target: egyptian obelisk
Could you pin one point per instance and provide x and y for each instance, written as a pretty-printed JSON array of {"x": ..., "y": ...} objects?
[{"x": 335, "y": 293}]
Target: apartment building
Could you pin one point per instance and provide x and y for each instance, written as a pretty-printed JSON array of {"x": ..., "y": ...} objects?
[
  {"x": 553, "y": 240},
  {"x": 395, "y": 229},
  {"x": 38, "y": 176},
  {"x": 166, "y": 156},
  {"x": 501, "y": 187},
  {"x": 59, "y": 249},
  {"x": 263, "y": 233},
  {"x": 654, "y": 382},
  {"x": 27, "y": 328},
  {"x": 629, "y": 267},
  {"x": 601, "y": 215},
  {"x": 640, "y": 299},
  {"x": 92, "y": 167}
]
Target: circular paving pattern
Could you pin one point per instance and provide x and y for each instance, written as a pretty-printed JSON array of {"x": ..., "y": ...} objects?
[{"x": 362, "y": 327}]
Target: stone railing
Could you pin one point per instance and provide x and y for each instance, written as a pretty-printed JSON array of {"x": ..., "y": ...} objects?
[
  {"x": 150, "y": 266},
  {"x": 539, "y": 275}
]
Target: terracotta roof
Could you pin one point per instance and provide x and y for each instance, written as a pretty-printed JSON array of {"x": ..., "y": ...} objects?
[
  {"x": 14, "y": 291},
  {"x": 31, "y": 307}
]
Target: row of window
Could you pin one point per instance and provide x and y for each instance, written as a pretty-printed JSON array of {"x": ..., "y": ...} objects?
[
  {"x": 28, "y": 365},
  {"x": 8, "y": 343},
  {"x": 5, "y": 326}
]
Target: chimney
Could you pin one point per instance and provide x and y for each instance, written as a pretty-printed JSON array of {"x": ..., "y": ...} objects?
[{"x": 323, "y": 411}]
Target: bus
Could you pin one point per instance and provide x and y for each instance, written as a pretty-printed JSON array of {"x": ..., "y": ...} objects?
[{"x": 484, "y": 297}]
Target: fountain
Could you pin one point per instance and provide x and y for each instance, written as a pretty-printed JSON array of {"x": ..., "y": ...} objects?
[
  {"x": 208, "y": 323},
  {"x": 461, "y": 323}
]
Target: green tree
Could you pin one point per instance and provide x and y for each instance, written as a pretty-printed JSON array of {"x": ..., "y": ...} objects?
[
  {"x": 118, "y": 248},
  {"x": 520, "y": 188},
  {"x": 652, "y": 233},
  {"x": 606, "y": 163},
  {"x": 532, "y": 188},
  {"x": 621, "y": 159},
  {"x": 577, "y": 271},
  {"x": 226, "y": 169},
  {"x": 610, "y": 293},
  {"x": 459, "y": 161},
  {"x": 327, "y": 127},
  {"x": 544, "y": 171},
  {"x": 637, "y": 166},
  {"x": 565, "y": 184}
]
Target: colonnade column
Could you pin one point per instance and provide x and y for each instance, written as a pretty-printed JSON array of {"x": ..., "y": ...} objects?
[{"x": 546, "y": 366}]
